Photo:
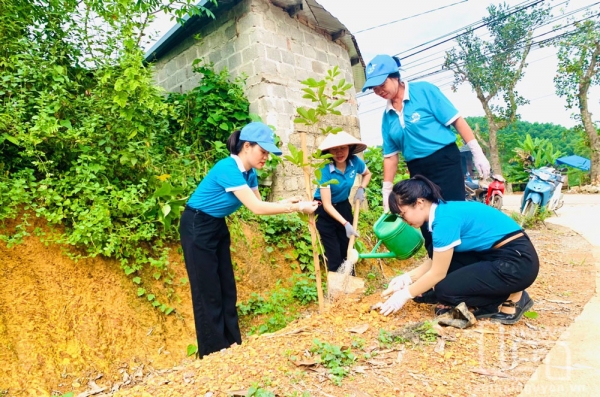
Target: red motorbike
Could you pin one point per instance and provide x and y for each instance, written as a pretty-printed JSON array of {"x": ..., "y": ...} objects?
[
  {"x": 488, "y": 193},
  {"x": 495, "y": 191}
]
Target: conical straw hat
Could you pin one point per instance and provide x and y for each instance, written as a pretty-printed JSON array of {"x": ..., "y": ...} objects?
[{"x": 342, "y": 138}]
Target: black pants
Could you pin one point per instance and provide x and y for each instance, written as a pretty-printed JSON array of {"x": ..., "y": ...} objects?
[
  {"x": 442, "y": 168},
  {"x": 333, "y": 234},
  {"x": 206, "y": 249},
  {"x": 491, "y": 276}
]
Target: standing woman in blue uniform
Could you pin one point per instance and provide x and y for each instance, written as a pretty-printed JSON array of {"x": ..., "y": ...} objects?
[
  {"x": 205, "y": 238},
  {"x": 493, "y": 284},
  {"x": 334, "y": 217},
  {"x": 416, "y": 122}
]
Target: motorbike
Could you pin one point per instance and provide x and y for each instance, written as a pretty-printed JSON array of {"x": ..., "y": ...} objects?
[
  {"x": 543, "y": 190},
  {"x": 495, "y": 192},
  {"x": 491, "y": 193}
]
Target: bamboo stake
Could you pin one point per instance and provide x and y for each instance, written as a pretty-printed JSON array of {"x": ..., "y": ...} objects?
[{"x": 311, "y": 223}]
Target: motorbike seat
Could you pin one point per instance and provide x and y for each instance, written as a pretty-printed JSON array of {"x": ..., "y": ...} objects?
[{"x": 472, "y": 185}]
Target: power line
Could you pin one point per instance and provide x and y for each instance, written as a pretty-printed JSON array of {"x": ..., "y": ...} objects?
[
  {"x": 523, "y": 44},
  {"x": 410, "y": 17},
  {"x": 468, "y": 28},
  {"x": 436, "y": 69}
]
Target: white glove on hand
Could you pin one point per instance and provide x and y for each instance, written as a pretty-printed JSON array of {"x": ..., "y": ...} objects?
[
  {"x": 479, "y": 160},
  {"x": 307, "y": 207},
  {"x": 396, "y": 302},
  {"x": 386, "y": 189},
  {"x": 360, "y": 194},
  {"x": 350, "y": 230},
  {"x": 397, "y": 283}
]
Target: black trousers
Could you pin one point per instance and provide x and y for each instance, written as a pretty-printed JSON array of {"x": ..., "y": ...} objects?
[
  {"x": 442, "y": 168},
  {"x": 491, "y": 276},
  {"x": 206, "y": 249},
  {"x": 333, "y": 234}
]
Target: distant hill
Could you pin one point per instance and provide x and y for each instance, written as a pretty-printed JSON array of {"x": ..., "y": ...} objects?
[{"x": 569, "y": 141}]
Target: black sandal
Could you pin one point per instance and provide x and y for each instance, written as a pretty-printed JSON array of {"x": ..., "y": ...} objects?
[
  {"x": 426, "y": 297},
  {"x": 523, "y": 305},
  {"x": 442, "y": 309}
]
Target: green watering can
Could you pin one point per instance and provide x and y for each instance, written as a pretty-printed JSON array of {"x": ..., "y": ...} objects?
[{"x": 401, "y": 239}]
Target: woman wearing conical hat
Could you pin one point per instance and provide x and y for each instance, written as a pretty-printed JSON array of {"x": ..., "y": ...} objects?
[{"x": 334, "y": 217}]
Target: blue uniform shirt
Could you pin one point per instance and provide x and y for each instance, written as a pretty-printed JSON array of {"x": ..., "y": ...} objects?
[
  {"x": 468, "y": 226},
  {"x": 423, "y": 126},
  {"x": 214, "y": 195},
  {"x": 341, "y": 190}
]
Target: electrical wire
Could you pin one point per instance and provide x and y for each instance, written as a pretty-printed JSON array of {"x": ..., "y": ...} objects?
[{"x": 410, "y": 17}]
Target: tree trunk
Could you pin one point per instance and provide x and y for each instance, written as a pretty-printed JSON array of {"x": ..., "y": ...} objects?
[
  {"x": 586, "y": 117},
  {"x": 493, "y": 128},
  {"x": 590, "y": 129}
]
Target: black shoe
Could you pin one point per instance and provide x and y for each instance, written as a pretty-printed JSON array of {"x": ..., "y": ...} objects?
[
  {"x": 442, "y": 309},
  {"x": 524, "y": 304},
  {"x": 427, "y": 297},
  {"x": 481, "y": 314}
]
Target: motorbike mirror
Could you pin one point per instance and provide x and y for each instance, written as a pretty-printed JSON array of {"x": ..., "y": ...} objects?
[
  {"x": 564, "y": 169},
  {"x": 531, "y": 158}
]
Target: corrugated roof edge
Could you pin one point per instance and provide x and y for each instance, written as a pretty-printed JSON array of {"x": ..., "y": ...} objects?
[{"x": 163, "y": 44}]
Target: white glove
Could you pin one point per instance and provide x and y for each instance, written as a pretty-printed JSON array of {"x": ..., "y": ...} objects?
[
  {"x": 396, "y": 301},
  {"x": 350, "y": 230},
  {"x": 307, "y": 207},
  {"x": 397, "y": 283},
  {"x": 385, "y": 192},
  {"x": 479, "y": 160}
]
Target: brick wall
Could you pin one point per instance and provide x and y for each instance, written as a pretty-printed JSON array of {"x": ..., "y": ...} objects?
[{"x": 276, "y": 52}]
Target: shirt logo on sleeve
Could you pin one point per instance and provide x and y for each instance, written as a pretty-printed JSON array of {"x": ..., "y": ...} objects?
[{"x": 415, "y": 117}]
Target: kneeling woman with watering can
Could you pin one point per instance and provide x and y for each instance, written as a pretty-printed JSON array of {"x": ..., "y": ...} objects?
[
  {"x": 334, "y": 218},
  {"x": 205, "y": 238},
  {"x": 504, "y": 261}
]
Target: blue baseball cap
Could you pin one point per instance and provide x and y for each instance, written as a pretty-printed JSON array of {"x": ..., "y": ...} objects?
[
  {"x": 379, "y": 69},
  {"x": 260, "y": 133}
]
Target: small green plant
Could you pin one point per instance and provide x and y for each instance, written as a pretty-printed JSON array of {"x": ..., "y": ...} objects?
[
  {"x": 257, "y": 391},
  {"x": 426, "y": 332},
  {"x": 280, "y": 307},
  {"x": 191, "y": 350},
  {"x": 358, "y": 343},
  {"x": 305, "y": 289},
  {"x": 387, "y": 339},
  {"x": 333, "y": 357},
  {"x": 531, "y": 221}
]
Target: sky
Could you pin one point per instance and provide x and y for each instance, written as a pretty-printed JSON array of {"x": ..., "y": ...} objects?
[
  {"x": 400, "y": 37},
  {"x": 395, "y": 27}
]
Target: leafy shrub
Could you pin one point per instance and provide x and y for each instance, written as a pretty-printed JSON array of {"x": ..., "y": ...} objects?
[{"x": 374, "y": 160}]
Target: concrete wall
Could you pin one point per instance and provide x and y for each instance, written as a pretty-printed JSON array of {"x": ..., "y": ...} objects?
[{"x": 276, "y": 52}]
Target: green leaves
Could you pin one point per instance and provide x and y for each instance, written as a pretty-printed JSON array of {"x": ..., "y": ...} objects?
[{"x": 191, "y": 350}]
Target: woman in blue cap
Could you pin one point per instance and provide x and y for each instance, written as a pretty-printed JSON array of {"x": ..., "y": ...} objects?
[
  {"x": 416, "y": 122},
  {"x": 205, "y": 239},
  {"x": 334, "y": 218},
  {"x": 504, "y": 261}
]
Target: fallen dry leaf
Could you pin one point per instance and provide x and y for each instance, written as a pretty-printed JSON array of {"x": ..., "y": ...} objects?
[
  {"x": 359, "y": 329},
  {"x": 489, "y": 372}
]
